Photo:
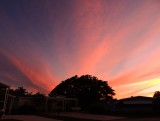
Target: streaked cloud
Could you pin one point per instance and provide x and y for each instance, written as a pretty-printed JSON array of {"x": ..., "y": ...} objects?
[{"x": 45, "y": 42}]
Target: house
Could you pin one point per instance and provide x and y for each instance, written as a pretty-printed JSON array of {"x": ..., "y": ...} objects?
[
  {"x": 28, "y": 105},
  {"x": 134, "y": 104},
  {"x": 16, "y": 104},
  {"x": 3, "y": 97},
  {"x": 61, "y": 104},
  {"x": 45, "y": 104},
  {"x": 6, "y": 100}
]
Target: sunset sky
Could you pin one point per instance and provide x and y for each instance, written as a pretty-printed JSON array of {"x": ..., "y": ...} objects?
[{"x": 43, "y": 42}]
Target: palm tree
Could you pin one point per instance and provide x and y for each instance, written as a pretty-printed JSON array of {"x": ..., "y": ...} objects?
[{"x": 20, "y": 91}]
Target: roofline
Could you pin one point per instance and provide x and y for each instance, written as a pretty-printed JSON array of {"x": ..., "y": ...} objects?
[
  {"x": 11, "y": 96},
  {"x": 48, "y": 98},
  {"x": 135, "y": 97},
  {"x": 29, "y": 97},
  {"x": 4, "y": 84},
  {"x": 62, "y": 98}
]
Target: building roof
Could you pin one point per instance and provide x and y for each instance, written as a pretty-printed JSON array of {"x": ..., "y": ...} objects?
[
  {"x": 60, "y": 98},
  {"x": 2, "y": 85},
  {"x": 137, "y": 100}
]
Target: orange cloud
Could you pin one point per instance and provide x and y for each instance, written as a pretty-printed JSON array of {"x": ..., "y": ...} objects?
[{"x": 115, "y": 41}]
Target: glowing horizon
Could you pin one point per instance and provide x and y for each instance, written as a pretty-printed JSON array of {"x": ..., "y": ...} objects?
[{"x": 45, "y": 42}]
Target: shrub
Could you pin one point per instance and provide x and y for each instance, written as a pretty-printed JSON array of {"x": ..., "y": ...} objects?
[
  {"x": 98, "y": 108},
  {"x": 26, "y": 109}
]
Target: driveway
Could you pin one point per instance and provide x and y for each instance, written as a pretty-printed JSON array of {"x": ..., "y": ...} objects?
[
  {"x": 29, "y": 118},
  {"x": 89, "y": 116}
]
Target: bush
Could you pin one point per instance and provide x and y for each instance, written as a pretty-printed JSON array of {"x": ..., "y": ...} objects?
[
  {"x": 26, "y": 109},
  {"x": 98, "y": 108},
  {"x": 1, "y": 114}
]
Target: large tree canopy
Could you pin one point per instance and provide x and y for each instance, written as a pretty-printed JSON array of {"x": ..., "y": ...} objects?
[
  {"x": 156, "y": 94},
  {"x": 156, "y": 101},
  {"x": 86, "y": 88}
]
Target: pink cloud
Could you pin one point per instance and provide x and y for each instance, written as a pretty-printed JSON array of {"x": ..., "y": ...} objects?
[
  {"x": 41, "y": 77},
  {"x": 115, "y": 41}
]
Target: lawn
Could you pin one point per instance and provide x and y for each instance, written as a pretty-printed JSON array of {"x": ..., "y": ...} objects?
[
  {"x": 64, "y": 118},
  {"x": 9, "y": 120},
  {"x": 139, "y": 119},
  {"x": 127, "y": 119},
  {"x": 78, "y": 119}
]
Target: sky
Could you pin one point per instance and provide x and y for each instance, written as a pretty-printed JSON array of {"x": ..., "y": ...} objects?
[{"x": 43, "y": 42}]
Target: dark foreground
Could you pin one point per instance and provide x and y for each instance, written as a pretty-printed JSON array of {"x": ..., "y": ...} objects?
[
  {"x": 76, "y": 119},
  {"x": 9, "y": 120},
  {"x": 136, "y": 116},
  {"x": 140, "y": 119}
]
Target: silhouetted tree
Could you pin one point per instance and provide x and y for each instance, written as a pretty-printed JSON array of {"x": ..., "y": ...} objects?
[
  {"x": 156, "y": 101},
  {"x": 20, "y": 91},
  {"x": 156, "y": 94},
  {"x": 38, "y": 94},
  {"x": 87, "y": 89}
]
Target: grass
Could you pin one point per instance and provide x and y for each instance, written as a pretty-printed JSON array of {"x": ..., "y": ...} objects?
[
  {"x": 129, "y": 117},
  {"x": 9, "y": 120},
  {"x": 79, "y": 119},
  {"x": 65, "y": 118},
  {"x": 139, "y": 119}
]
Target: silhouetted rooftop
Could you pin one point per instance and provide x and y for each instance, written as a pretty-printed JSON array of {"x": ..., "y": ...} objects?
[
  {"x": 137, "y": 100},
  {"x": 2, "y": 85}
]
